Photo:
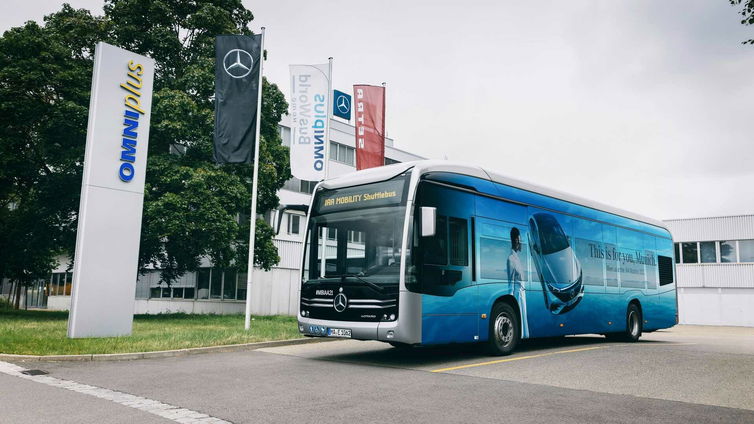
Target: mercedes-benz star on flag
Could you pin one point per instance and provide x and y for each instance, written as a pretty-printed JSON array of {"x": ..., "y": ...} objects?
[
  {"x": 370, "y": 126},
  {"x": 341, "y": 106},
  {"x": 237, "y": 79}
]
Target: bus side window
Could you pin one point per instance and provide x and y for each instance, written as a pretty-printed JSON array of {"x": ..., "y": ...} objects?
[
  {"x": 436, "y": 247},
  {"x": 458, "y": 230}
]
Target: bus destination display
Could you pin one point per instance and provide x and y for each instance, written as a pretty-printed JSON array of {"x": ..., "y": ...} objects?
[{"x": 371, "y": 195}]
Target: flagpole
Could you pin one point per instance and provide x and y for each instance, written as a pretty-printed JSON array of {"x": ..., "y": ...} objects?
[
  {"x": 384, "y": 119},
  {"x": 329, "y": 116},
  {"x": 323, "y": 263},
  {"x": 254, "y": 181}
]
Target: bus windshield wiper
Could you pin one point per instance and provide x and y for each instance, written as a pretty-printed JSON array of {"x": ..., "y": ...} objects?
[{"x": 369, "y": 283}]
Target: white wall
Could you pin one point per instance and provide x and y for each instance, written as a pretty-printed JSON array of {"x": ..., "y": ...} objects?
[
  {"x": 275, "y": 292},
  {"x": 716, "y": 306},
  {"x": 59, "y": 303},
  {"x": 740, "y": 227},
  {"x": 159, "y": 306}
]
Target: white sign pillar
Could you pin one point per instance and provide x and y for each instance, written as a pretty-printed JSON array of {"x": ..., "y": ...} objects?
[{"x": 112, "y": 194}]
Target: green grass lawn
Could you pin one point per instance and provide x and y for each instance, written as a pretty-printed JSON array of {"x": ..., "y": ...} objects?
[{"x": 44, "y": 333}]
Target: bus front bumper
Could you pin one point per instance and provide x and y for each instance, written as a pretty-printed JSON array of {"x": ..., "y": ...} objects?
[{"x": 386, "y": 331}]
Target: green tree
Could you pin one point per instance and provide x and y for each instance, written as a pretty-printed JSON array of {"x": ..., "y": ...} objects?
[
  {"x": 191, "y": 205},
  {"x": 44, "y": 93},
  {"x": 748, "y": 14}
]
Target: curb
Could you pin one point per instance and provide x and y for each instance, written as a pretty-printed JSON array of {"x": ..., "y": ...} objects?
[{"x": 162, "y": 353}]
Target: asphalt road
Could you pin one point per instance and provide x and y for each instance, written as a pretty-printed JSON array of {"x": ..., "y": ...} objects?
[{"x": 683, "y": 375}]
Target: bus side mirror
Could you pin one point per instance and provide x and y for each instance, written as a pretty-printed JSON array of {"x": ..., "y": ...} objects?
[{"x": 429, "y": 221}]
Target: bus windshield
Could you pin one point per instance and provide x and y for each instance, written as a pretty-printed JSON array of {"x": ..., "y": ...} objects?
[
  {"x": 360, "y": 231},
  {"x": 358, "y": 243}
]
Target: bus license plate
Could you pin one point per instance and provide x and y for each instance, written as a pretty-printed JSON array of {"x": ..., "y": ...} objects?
[{"x": 339, "y": 332}]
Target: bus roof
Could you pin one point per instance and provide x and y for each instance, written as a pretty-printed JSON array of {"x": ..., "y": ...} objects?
[{"x": 424, "y": 166}]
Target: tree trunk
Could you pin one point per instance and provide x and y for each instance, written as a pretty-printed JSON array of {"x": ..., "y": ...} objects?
[
  {"x": 18, "y": 294},
  {"x": 11, "y": 293}
]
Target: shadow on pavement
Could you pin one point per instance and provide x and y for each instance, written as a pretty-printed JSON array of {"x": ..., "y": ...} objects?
[{"x": 430, "y": 356}]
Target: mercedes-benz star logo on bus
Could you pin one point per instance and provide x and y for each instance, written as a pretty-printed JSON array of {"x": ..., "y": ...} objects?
[
  {"x": 340, "y": 302},
  {"x": 343, "y": 104},
  {"x": 238, "y": 63}
]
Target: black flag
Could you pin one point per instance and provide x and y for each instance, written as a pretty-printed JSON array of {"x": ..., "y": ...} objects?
[{"x": 237, "y": 65}]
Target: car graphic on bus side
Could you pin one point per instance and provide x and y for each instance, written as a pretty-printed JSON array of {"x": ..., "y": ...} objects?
[{"x": 558, "y": 267}]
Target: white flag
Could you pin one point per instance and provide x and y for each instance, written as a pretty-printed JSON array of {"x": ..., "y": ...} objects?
[{"x": 310, "y": 97}]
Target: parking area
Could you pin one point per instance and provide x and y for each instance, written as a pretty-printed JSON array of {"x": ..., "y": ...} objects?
[
  {"x": 696, "y": 364},
  {"x": 686, "y": 374}
]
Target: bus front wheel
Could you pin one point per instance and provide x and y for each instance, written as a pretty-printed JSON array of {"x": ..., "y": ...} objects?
[{"x": 505, "y": 331}]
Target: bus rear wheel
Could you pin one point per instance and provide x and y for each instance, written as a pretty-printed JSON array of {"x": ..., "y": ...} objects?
[
  {"x": 505, "y": 331},
  {"x": 633, "y": 326}
]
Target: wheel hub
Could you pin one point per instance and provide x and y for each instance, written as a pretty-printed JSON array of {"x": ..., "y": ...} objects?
[
  {"x": 503, "y": 329},
  {"x": 633, "y": 323}
]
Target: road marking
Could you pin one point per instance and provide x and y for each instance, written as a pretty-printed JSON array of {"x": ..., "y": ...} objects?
[
  {"x": 518, "y": 358},
  {"x": 174, "y": 413}
]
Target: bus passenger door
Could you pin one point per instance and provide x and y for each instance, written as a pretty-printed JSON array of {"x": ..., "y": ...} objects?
[
  {"x": 502, "y": 267},
  {"x": 448, "y": 292}
]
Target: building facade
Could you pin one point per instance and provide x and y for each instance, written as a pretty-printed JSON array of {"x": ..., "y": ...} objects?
[
  {"x": 715, "y": 269},
  {"x": 223, "y": 291}
]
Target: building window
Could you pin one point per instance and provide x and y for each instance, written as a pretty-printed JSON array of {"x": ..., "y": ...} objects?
[
  {"x": 746, "y": 250},
  {"x": 690, "y": 253},
  {"x": 285, "y": 135},
  {"x": 389, "y": 161},
  {"x": 294, "y": 184},
  {"x": 242, "y": 281},
  {"x": 294, "y": 224},
  {"x": 269, "y": 217},
  {"x": 216, "y": 284},
  {"x": 356, "y": 237},
  {"x": 307, "y": 186},
  {"x": 728, "y": 252},
  {"x": 300, "y": 186},
  {"x": 342, "y": 153},
  {"x": 229, "y": 284},
  {"x": 708, "y": 252},
  {"x": 202, "y": 283},
  {"x": 60, "y": 284}
]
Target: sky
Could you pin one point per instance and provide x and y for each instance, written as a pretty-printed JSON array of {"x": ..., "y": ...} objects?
[{"x": 643, "y": 105}]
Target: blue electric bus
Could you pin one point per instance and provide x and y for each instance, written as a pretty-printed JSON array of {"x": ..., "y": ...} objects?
[{"x": 429, "y": 252}]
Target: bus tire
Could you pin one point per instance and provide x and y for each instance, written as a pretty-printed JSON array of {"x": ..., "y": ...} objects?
[
  {"x": 400, "y": 346},
  {"x": 505, "y": 331},
  {"x": 633, "y": 326}
]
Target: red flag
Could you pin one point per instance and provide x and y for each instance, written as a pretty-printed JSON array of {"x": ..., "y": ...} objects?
[{"x": 370, "y": 126}]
